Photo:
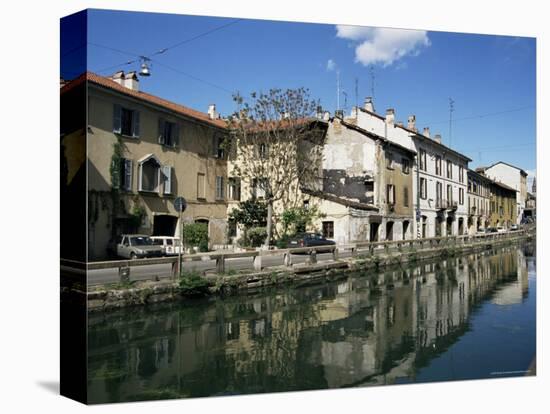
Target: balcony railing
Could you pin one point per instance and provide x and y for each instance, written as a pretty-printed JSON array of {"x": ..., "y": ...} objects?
[{"x": 442, "y": 204}]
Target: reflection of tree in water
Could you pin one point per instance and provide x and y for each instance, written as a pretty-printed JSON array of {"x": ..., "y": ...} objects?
[{"x": 333, "y": 335}]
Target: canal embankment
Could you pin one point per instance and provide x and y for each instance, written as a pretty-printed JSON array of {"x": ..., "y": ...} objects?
[{"x": 366, "y": 257}]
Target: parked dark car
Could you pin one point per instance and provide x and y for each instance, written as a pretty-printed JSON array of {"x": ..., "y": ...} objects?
[
  {"x": 491, "y": 230},
  {"x": 309, "y": 240}
]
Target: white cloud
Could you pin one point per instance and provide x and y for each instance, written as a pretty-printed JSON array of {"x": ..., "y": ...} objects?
[
  {"x": 381, "y": 45},
  {"x": 331, "y": 65}
]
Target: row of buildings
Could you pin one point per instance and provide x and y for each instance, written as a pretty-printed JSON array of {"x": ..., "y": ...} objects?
[{"x": 378, "y": 178}]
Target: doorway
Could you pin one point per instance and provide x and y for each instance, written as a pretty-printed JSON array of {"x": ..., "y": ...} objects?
[
  {"x": 373, "y": 234},
  {"x": 389, "y": 230},
  {"x": 164, "y": 225}
]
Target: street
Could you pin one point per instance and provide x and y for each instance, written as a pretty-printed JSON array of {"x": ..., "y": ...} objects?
[{"x": 149, "y": 272}]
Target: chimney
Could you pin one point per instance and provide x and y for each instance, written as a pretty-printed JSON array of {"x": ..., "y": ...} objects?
[
  {"x": 212, "y": 114},
  {"x": 390, "y": 116},
  {"x": 437, "y": 138},
  {"x": 118, "y": 77},
  {"x": 131, "y": 81},
  {"x": 411, "y": 123},
  {"x": 319, "y": 112},
  {"x": 426, "y": 132},
  {"x": 369, "y": 105},
  {"x": 326, "y": 116},
  {"x": 339, "y": 113}
]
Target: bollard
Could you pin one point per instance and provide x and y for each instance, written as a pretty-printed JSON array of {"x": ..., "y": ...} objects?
[
  {"x": 124, "y": 274},
  {"x": 335, "y": 254},
  {"x": 312, "y": 257},
  {"x": 220, "y": 264},
  {"x": 258, "y": 262},
  {"x": 287, "y": 259}
]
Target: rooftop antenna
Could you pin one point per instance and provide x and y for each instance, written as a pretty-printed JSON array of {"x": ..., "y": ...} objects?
[
  {"x": 356, "y": 92},
  {"x": 345, "y": 100},
  {"x": 337, "y": 89},
  {"x": 451, "y": 110},
  {"x": 372, "y": 77}
]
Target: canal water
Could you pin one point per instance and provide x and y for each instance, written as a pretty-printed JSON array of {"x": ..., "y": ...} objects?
[{"x": 469, "y": 317}]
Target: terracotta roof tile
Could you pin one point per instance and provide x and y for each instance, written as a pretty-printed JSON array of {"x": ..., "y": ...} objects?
[{"x": 110, "y": 84}]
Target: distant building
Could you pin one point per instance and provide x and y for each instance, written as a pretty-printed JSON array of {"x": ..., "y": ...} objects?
[
  {"x": 479, "y": 201},
  {"x": 513, "y": 177}
]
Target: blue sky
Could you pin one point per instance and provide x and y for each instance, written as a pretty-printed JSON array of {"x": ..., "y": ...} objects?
[{"x": 490, "y": 78}]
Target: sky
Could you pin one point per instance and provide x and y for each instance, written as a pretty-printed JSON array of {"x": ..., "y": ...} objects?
[{"x": 491, "y": 79}]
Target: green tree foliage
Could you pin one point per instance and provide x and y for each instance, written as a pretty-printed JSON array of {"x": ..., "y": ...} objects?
[
  {"x": 196, "y": 234},
  {"x": 250, "y": 213}
]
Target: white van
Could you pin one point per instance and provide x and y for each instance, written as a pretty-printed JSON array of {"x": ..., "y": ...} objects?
[{"x": 170, "y": 245}]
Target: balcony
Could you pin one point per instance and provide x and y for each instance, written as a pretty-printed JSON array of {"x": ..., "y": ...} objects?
[{"x": 442, "y": 204}]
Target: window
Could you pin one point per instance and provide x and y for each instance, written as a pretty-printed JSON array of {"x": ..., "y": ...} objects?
[
  {"x": 389, "y": 160},
  {"x": 405, "y": 165},
  {"x": 168, "y": 133},
  {"x": 469, "y": 185},
  {"x": 125, "y": 121},
  {"x": 405, "y": 197},
  {"x": 219, "y": 146},
  {"x": 122, "y": 175},
  {"x": 258, "y": 188},
  {"x": 149, "y": 174},
  {"x": 461, "y": 196},
  {"x": 422, "y": 159},
  {"x": 461, "y": 174},
  {"x": 167, "y": 176},
  {"x": 438, "y": 194},
  {"x": 449, "y": 169},
  {"x": 235, "y": 189},
  {"x": 220, "y": 193},
  {"x": 306, "y": 204},
  {"x": 328, "y": 229},
  {"x": 438, "y": 164},
  {"x": 449, "y": 194},
  {"x": 263, "y": 150},
  {"x": 390, "y": 194},
  {"x": 201, "y": 182},
  {"x": 423, "y": 188}
]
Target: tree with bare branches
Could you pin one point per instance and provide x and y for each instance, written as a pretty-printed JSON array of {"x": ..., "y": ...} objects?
[{"x": 276, "y": 140}]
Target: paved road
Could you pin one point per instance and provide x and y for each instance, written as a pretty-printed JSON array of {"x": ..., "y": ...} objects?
[{"x": 148, "y": 272}]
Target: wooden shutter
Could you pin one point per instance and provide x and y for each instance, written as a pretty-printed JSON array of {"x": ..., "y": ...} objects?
[
  {"x": 128, "y": 175},
  {"x": 162, "y": 124},
  {"x": 117, "y": 119},
  {"x": 135, "y": 124},
  {"x": 167, "y": 173},
  {"x": 140, "y": 180},
  {"x": 115, "y": 173}
]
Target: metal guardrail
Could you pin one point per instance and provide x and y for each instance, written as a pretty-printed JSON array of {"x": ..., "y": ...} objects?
[{"x": 355, "y": 248}]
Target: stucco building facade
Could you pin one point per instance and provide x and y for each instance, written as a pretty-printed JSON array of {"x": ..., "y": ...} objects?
[{"x": 143, "y": 152}]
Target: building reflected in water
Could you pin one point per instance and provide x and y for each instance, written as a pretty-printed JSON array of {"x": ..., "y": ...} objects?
[{"x": 364, "y": 329}]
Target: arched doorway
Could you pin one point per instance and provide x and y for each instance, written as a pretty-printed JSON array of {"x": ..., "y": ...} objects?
[
  {"x": 460, "y": 226},
  {"x": 449, "y": 225},
  {"x": 405, "y": 229},
  {"x": 389, "y": 230},
  {"x": 438, "y": 226}
]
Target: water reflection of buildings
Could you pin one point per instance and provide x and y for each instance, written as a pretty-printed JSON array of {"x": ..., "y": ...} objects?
[{"x": 362, "y": 330}]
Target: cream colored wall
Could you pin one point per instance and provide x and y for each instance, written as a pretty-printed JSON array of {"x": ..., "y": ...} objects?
[{"x": 193, "y": 156}]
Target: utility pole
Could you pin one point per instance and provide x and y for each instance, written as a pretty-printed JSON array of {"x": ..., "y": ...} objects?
[{"x": 451, "y": 110}]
